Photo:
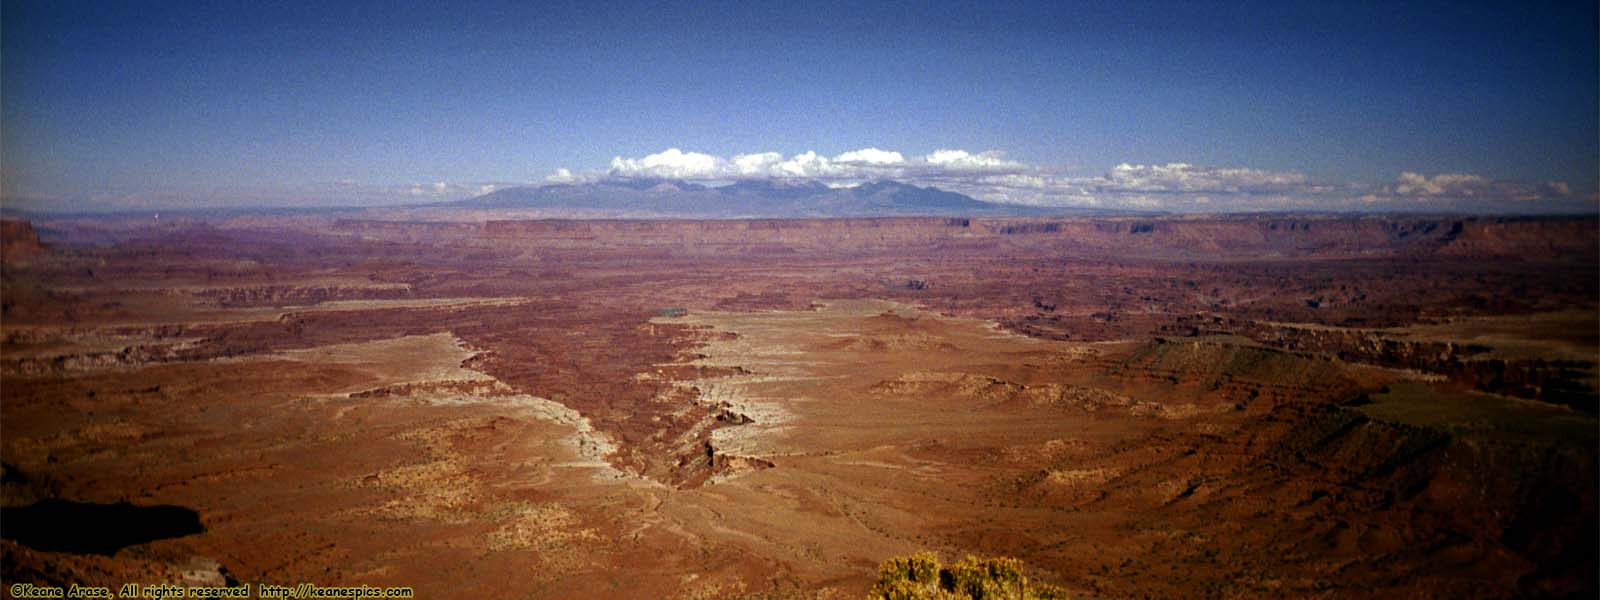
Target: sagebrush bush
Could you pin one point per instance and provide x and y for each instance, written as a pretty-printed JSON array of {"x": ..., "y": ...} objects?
[{"x": 919, "y": 577}]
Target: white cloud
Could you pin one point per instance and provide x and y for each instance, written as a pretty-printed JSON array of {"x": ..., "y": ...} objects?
[
  {"x": 984, "y": 175},
  {"x": 671, "y": 164},
  {"x": 963, "y": 161},
  {"x": 855, "y": 165},
  {"x": 1443, "y": 184},
  {"x": 1187, "y": 178},
  {"x": 871, "y": 156},
  {"x": 1461, "y": 186},
  {"x": 756, "y": 165},
  {"x": 809, "y": 165},
  {"x": 356, "y": 193},
  {"x": 561, "y": 176},
  {"x": 438, "y": 189},
  {"x": 1176, "y": 186}
]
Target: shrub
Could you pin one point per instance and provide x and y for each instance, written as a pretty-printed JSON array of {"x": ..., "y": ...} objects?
[
  {"x": 919, "y": 577},
  {"x": 922, "y": 568}
]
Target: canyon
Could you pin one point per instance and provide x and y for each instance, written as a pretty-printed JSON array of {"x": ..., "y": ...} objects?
[{"x": 1137, "y": 406}]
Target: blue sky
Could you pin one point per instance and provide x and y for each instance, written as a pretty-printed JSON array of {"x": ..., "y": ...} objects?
[{"x": 1186, "y": 106}]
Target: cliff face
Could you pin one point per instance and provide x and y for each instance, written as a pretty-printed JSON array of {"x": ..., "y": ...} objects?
[
  {"x": 1175, "y": 237},
  {"x": 18, "y": 240},
  {"x": 1319, "y": 236},
  {"x": 1536, "y": 237},
  {"x": 790, "y": 233}
]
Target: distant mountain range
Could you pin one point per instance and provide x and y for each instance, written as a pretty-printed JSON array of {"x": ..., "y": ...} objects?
[{"x": 752, "y": 198}]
